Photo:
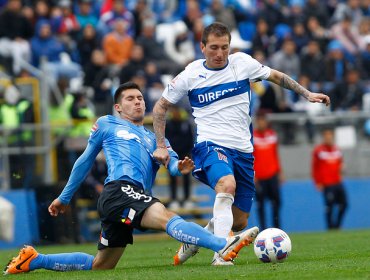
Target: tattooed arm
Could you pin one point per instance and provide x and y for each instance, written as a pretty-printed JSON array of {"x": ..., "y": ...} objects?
[
  {"x": 287, "y": 82},
  {"x": 159, "y": 125}
]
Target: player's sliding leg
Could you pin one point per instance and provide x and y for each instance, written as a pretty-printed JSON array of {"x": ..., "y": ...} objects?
[{"x": 29, "y": 259}]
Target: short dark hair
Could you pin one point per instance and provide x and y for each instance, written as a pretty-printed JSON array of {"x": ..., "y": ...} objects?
[
  {"x": 122, "y": 88},
  {"x": 218, "y": 29}
]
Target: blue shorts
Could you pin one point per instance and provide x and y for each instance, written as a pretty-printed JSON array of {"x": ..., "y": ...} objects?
[{"x": 213, "y": 162}]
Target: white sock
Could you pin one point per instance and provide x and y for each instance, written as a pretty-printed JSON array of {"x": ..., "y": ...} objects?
[
  {"x": 210, "y": 226},
  {"x": 222, "y": 214}
]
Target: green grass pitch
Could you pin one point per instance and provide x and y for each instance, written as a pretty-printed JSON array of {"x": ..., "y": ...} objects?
[{"x": 325, "y": 255}]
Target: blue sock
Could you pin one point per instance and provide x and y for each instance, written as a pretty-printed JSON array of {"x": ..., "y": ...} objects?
[
  {"x": 192, "y": 233},
  {"x": 63, "y": 262}
]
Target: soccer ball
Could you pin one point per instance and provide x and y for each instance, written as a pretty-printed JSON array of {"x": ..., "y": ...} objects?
[{"x": 272, "y": 245}]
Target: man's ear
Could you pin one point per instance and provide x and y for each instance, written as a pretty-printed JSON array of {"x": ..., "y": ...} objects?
[{"x": 117, "y": 107}]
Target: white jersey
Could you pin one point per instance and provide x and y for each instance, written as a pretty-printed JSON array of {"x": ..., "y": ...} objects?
[{"x": 220, "y": 99}]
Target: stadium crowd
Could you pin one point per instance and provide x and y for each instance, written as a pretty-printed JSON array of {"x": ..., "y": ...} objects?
[{"x": 325, "y": 45}]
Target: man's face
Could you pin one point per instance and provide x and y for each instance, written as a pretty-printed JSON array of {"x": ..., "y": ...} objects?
[
  {"x": 261, "y": 123},
  {"x": 132, "y": 106},
  {"x": 216, "y": 51},
  {"x": 328, "y": 137}
]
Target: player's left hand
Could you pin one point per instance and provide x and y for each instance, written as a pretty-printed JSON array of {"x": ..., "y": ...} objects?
[
  {"x": 186, "y": 165},
  {"x": 57, "y": 207},
  {"x": 319, "y": 98}
]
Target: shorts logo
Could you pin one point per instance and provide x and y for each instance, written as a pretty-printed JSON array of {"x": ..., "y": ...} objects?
[
  {"x": 135, "y": 195},
  {"x": 221, "y": 156}
]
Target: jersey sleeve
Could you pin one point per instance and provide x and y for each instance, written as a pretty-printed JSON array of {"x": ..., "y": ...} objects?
[
  {"x": 177, "y": 88},
  {"x": 256, "y": 70},
  {"x": 173, "y": 165},
  {"x": 84, "y": 163}
]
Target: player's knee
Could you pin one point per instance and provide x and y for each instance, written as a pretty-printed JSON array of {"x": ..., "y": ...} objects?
[
  {"x": 226, "y": 184},
  {"x": 102, "y": 265}
]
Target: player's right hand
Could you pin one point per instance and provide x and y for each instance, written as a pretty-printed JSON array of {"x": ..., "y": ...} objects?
[
  {"x": 162, "y": 155},
  {"x": 57, "y": 207}
]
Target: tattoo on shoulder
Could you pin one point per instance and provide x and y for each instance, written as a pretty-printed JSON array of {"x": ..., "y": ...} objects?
[{"x": 288, "y": 83}]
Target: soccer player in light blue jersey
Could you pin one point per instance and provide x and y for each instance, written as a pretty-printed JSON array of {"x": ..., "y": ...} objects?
[
  {"x": 126, "y": 201},
  {"x": 218, "y": 88}
]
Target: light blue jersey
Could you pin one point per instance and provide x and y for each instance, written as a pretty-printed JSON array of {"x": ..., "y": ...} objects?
[{"x": 128, "y": 150}]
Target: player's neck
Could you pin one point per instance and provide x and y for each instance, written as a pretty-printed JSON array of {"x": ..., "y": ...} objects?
[{"x": 135, "y": 122}]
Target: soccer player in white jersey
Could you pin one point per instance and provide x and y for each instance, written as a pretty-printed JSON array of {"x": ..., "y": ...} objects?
[{"x": 219, "y": 92}]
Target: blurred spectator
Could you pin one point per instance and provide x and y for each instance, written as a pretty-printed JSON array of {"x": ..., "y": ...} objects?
[
  {"x": 180, "y": 134},
  {"x": 347, "y": 94},
  {"x": 296, "y": 12},
  {"x": 263, "y": 40},
  {"x": 14, "y": 112},
  {"x": 193, "y": 13},
  {"x": 327, "y": 168},
  {"x": 299, "y": 36},
  {"x": 98, "y": 76},
  {"x": 69, "y": 24},
  {"x": 348, "y": 36},
  {"x": 270, "y": 96},
  {"x": 42, "y": 11},
  {"x": 136, "y": 63},
  {"x": 317, "y": 9},
  {"x": 365, "y": 7},
  {"x": 268, "y": 173},
  {"x": 153, "y": 76},
  {"x": 46, "y": 45},
  {"x": 286, "y": 60},
  {"x": 111, "y": 11},
  {"x": 365, "y": 57},
  {"x": 85, "y": 15},
  {"x": 15, "y": 31},
  {"x": 83, "y": 115},
  {"x": 154, "y": 51},
  {"x": 271, "y": 12},
  {"x": 117, "y": 45},
  {"x": 351, "y": 8},
  {"x": 311, "y": 59},
  {"x": 141, "y": 13},
  {"x": 177, "y": 43},
  {"x": 364, "y": 27},
  {"x": 318, "y": 32},
  {"x": 154, "y": 85},
  {"x": 87, "y": 43},
  {"x": 222, "y": 14},
  {"x": 335, "y": 63},
  {"x": 198, "y": 27}
]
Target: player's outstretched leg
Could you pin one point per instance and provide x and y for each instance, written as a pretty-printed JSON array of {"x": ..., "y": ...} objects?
[
  {"x": 194, "y": 234},
  {"x": 29, "y": 259}
]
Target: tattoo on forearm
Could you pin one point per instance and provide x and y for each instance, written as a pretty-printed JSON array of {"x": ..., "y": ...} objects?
[
  {"x": 159, "y": 121},
  {"x": 288, "y": 83}
]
